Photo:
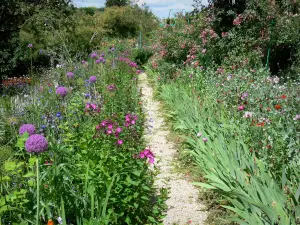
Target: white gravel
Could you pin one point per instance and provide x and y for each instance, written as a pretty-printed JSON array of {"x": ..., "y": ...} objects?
[{"x": 183, "y": 206}]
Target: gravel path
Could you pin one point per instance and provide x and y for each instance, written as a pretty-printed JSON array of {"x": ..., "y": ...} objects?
[{"x": 183, "y": 207}]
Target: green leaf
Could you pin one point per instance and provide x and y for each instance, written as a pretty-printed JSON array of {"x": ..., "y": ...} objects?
[
  {"x": 30, "y": 174},
  {"x": 9, "y": 165}
]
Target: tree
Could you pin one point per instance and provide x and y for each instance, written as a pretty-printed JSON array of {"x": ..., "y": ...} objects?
[{"x": 110, "y": 3}]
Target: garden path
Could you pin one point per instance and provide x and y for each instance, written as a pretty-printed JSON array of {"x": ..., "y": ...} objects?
[{"x": 183, "y": 205}]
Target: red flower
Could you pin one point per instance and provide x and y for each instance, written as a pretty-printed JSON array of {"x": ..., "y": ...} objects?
[
  {"x": 268, "y": 109},
  {"x": 283, "y": 97},
  {"x": 262, "y": 124},
  {"x": 269, "y": 146},
  {"x": 277, "y": 106}
]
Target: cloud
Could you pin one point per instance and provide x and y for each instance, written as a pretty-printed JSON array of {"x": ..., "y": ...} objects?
[{"x": 160, "y": 8}]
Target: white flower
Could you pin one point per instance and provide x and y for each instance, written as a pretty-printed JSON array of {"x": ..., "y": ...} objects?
[
  {"x": 248, "y": 115},
  {"x": 59, "y": 220}
]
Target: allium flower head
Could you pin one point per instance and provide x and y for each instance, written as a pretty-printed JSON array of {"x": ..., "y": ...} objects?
[
  {"x": 62, "y": 91},
  {"x": 93, "y": 79},
  {"x": 29, "y": 128},
  {"x": 30, "y": 45},
  {"x": 94, "y": 55},
  {"x": 36, "y": 144},
  {"x": 70, "y": 75}
]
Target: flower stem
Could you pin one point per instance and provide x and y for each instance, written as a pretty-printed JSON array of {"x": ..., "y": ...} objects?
[{"x": 37, "y": 191}]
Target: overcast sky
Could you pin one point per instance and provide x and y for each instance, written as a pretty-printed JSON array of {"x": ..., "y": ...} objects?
[{"x": 160, "y": 8}]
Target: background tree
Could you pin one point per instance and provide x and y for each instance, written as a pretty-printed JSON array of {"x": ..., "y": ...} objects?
[{"x": 110, "y": 3}]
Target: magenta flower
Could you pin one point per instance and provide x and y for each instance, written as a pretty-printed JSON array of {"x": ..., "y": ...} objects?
[
  {"x": 29, "y": 128},
  {"x": 70, "y": 75},
  {"x": 36, "y": 144},
  {"x": 204, "y": 139},
  {"x": 147, "y": 154},
  {"x": 241, "y": 108},
  {"x": 119, "y": 142},
  {"x": 118, "y": 130},
  {"x": 62, "y": 91},
  {"x": 93, "y": 79},
  {"x": 110, "y": 126}
]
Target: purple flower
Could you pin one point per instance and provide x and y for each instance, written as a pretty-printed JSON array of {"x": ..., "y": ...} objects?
[
  {"x": 94, "y": 55},
  {"x": 62, "y": 91},
  {"x": 30, "y": 45},
  {"x": 93, "y": 79},
  {"x": 29, "y": 128},
  {"x": 97, "y": 61},
  {"x": 204, "y": 139},
  {"x": 244, "y": 95},
  {"x": 36, "y": 143},
  {"x": 70, "y": 75}
]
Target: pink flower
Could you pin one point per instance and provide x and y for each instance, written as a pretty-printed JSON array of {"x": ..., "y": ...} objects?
[
  {"x": 119, "y": 142},
  {"x": 204, "y": 51},
  {"x": 248, "y": 115},
  {"x": 110, "y": 126},
  {"x": 241, "y": 108},
  {"x": 204, "y": 139}
]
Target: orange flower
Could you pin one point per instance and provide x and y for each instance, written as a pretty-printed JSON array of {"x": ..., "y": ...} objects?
[
  {"x": 50, "y": 222},
  {"x": 283, "y": 97},
  {"x": 262, "y": 124},
  {"x": 277, "y": 106}
]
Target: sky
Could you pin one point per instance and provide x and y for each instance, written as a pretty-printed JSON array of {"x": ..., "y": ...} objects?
[{"x": 160, "y": 8}]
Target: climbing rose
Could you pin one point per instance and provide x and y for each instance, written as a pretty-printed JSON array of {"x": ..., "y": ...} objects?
[
  {"x": 29, "y": 128},
  {"x": 93, "y": 79},
  {"x": 36, "y": 143},
  {"x": 62, "y": 91}
]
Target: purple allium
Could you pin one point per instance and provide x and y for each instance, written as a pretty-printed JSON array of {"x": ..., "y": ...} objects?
[
  {"x": 36, "y": 143},
  {"x": 112, "y": 49},
  {"x": 97, "y": 61},
  {"x": 94, "y": 55},
  {"x": 204, "y": 139},
  {"x": 62, "y": 91},
  {"x": 93, "y": 79},
  {"x": 30, "y": 45},
  {"x": 70, "y": 75},
  {"x": 119, "y": 142},
  {"x": 29, "y": 128}
]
